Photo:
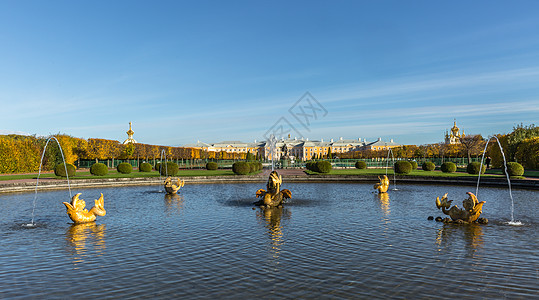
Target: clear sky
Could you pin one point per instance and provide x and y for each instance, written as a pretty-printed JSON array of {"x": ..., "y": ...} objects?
[{"x": 183, "y": 71}]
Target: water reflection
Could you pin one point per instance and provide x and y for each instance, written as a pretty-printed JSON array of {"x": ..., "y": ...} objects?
[
  {"x": 336, "y": 246},
  {"x": 173, "y": 203},
  {"x": 384, "y": 203},
  {"x": 81, "y": 238},
  {"x": 272, "y": 218},
  {"x": 471, "y": 234}
]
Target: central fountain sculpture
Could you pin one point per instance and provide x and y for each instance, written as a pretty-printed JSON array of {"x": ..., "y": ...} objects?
[
  {"x": 383, "y": 185},
  {"x": 274, "y": 196},
  {"x": 77, "y": 212},
  {"x": 470, "y": 212},
  {"x": 172, "y": 188}
]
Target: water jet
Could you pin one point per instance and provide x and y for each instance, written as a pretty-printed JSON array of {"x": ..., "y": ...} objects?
[
  {"x": 512, "y": 222},
  {"x": 39, "y": 174}
]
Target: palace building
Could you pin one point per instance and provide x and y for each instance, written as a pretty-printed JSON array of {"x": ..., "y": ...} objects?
[{"x": 298, "y": 149}]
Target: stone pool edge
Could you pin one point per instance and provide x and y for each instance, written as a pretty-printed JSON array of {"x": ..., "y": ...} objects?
[{"x": 52, "y": 184}]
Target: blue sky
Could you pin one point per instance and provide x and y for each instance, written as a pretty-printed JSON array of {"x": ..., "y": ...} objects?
[{"x": 229, "y": 70}]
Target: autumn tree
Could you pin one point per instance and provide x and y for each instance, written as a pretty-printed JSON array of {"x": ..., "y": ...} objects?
[
  {"x": 127, "y": 151},
  {"x": 518, "y": 136},
  {"x": 528, "y": 153},
  {"x": 19, "y": 154},
  {"x": 450, "y": 150},
  {"x": 472, "y": 145},
  {"x": 103, "y": 149},
  {"x": 515, "y": 146}
]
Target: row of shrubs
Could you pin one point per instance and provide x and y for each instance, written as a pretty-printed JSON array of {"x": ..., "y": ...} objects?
[
  {"x": 321, "y": 166},
  {"x": 405, "y": 167},
  {"x": 243, "y": 168},
  {"x": 100, "y": 169}
]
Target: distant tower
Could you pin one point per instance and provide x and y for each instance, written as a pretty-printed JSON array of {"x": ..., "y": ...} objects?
[
  {"x": 130, "y": 139},
  {"x": 454, "y": 136}
]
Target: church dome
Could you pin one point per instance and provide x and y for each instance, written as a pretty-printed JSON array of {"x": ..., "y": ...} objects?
[{"x": 455, "y": 129}]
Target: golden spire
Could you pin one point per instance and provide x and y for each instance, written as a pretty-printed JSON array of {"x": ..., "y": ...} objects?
[
  {"x": 455, "y": 129},
  {"x": 130, "y": 132}
]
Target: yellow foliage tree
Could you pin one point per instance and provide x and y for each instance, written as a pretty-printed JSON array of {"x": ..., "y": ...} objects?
[
  {"x": 493, "y": 150},
  {"x": 19, "y": 154},
  {"x": 72, "y": 147},
  {"x": 528, "y": 153},
  {"x": 103, "y": 149},
  {"x": 22, "y": 154}
]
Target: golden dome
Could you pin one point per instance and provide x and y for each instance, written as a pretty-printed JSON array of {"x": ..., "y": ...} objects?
[{"x": 455, "y": 128}]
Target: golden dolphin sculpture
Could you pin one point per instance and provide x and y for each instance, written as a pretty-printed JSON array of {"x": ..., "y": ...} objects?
[
  {"x": 383, "y": 185},
  {"x": 273, "y": 197},
  {"x": 470, "y": 212},
  {"x": 78, "y": 214},
  {"x": 173, "y": 188}
]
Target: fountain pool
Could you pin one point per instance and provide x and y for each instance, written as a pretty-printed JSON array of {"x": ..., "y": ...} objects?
[{"x": 331, "y": 240}]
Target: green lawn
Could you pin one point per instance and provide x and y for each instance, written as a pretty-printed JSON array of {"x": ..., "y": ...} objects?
[
  {"x": 228, "y": 172},
  {"x": 116, "y": 174},
  {"x": 204, "y": 172}
]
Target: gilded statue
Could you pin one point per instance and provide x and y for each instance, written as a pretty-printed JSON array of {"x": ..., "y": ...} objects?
[
  {"x": 77, "y": 212},
  {"x": 173, "y": 188},
  {"x": 470, "y": 212},
  {"x": 274, "y": 196},
  {"x": 383, "y": 185}
]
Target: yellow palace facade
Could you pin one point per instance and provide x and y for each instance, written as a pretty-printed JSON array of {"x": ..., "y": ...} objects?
[{"x": 298, "y": 149}]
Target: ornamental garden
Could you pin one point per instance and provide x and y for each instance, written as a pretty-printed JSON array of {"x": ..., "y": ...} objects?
[{"x": 22, "y": 154}]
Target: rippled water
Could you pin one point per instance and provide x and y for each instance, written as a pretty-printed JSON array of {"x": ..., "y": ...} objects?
[{"x": 330, "y": 241}]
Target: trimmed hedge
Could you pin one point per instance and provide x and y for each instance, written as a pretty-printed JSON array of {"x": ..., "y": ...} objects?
[
  {"x": 448, "y": 167},
  {"x": 361, "y": 164},
  {"x": 473, "y": 168},
  {"x": 124, "y": 168},
  {"x": 145, "y": 167},
  {"x": 212, "y": 166},
  {"x": 414, "y": 164},
  {"x": 323, "y": 166},
  {"x": 171, "y": 169},
  {"x": 402, "y": 167},
  {"x": 241, "y": 168},
  {"x": 60, "y": 170},
  {"x": 253, "y": 167},
  {"x": 428, "y": 166},
  {"x": 514, "y": 169},
  {"x": 99, "y": 169}
]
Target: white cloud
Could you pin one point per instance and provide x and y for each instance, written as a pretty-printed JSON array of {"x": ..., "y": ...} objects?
[{"x": 5, "y": 132}]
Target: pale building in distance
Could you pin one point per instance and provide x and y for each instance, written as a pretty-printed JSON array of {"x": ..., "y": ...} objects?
[
  {"x": 294, "y": 148},
  {"x": 454, "y": 135}
]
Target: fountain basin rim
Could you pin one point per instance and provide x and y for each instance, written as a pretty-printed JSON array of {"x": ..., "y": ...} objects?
[{"x": 13, "y": 186}]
